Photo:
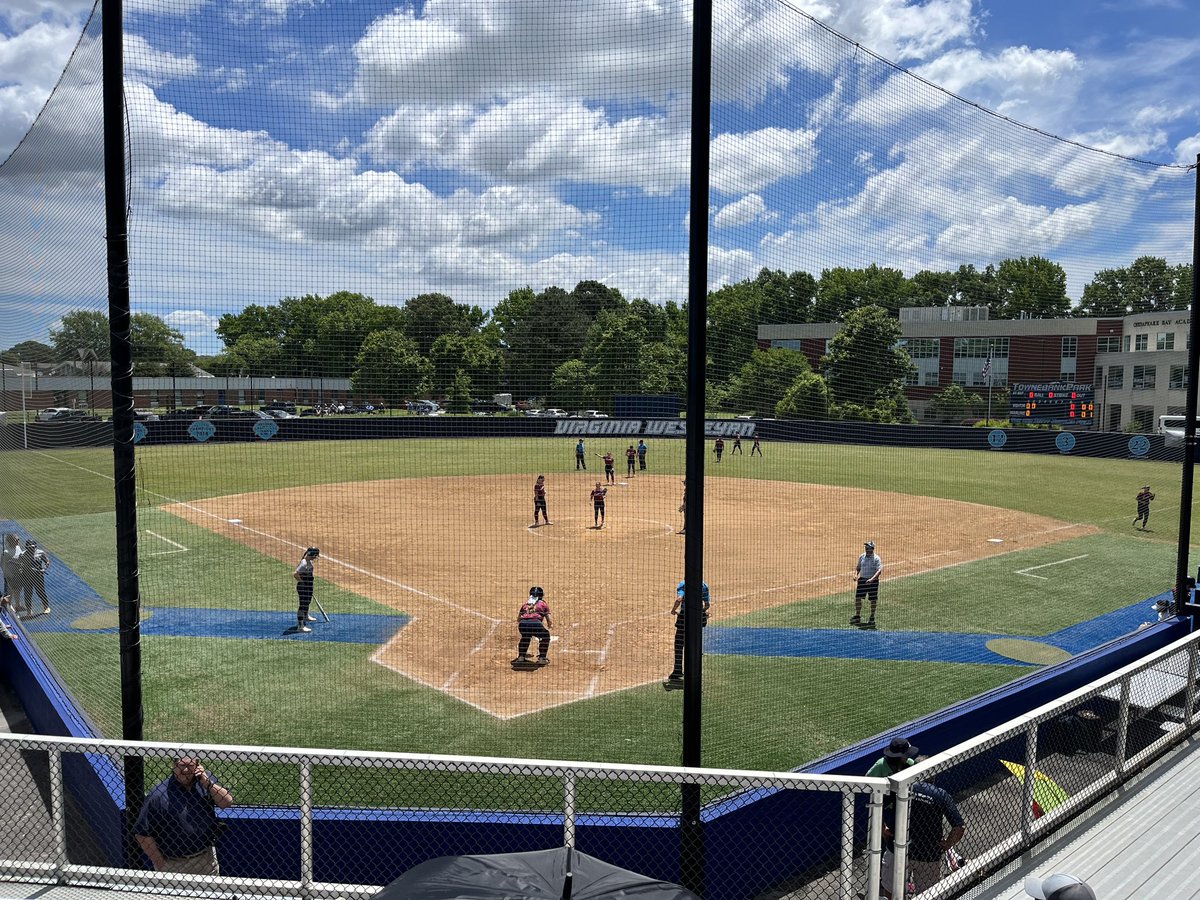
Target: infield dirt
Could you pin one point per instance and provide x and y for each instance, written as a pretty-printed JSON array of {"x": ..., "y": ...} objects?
[{"x": 458, "y": 555}]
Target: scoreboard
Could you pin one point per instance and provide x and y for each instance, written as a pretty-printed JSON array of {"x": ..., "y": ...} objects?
[{"x": 1053, "y": 403}]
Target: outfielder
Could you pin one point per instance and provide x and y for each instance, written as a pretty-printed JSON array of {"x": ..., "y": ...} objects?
[
  {"x": 533, "y": 621},
  {"x": 866, "y": 575},
  {"x": 679, "y": 611},
  {"x": 1143, "y": 507},
  {"x": 304, "y": 589}
]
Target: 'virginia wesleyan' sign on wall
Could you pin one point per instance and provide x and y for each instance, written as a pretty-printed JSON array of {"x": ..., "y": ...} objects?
[{"x": 656, "y": 427}]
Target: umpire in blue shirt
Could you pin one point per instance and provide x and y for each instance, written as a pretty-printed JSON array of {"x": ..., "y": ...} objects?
[{"x": 177, "y": 826}]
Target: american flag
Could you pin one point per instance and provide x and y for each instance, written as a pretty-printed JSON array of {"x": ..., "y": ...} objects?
[{"x": 987, "y": 369}]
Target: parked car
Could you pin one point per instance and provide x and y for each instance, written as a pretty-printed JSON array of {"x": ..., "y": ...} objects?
[
  {"x": 533, "y": 413},
  {"x": 52, "y": 412},
  {"x": 555, "y": 412},
  {"x": 74, "y": 415},
  {"x": 276, "y": 412},
  {"x": 182, "y": 415},
  {"x": 145, "y": 415},
  {"x": 594, "y": 414},
  {"x": 286, "y": 405},
  {"x": 424, "y": 407}
]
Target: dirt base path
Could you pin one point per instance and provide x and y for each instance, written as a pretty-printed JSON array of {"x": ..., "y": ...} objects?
[{"x": 458, "y": 556}]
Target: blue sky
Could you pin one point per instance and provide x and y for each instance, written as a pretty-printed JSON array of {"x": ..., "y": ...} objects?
[{"x": 293, "y": 146}]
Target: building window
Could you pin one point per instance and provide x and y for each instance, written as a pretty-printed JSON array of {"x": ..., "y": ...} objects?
[
  {"x": 1143, "y": 417},
  {"x": 1116, "y": 377},
  {"x": 1108, "y": 344},
  {"x": 1144, "y": 378},
  {"x": 1178, "y": 378},
  {"x": 1070, "y": 347},
  {"x": 1165, "y": 340},
  {"x": 924, "y": 354},
  {"x": 1141, "y": 342},
  {"x": 154, "y": 398},
  {"x": 1099, "y": 379},
  {"x": 786, "y": 344},
  {"x": 241, "y": 398},
  {"x": 1127, "y": 339},
  {"x": 977, "y": 348},
  {"x": 1114, "y": 417}
]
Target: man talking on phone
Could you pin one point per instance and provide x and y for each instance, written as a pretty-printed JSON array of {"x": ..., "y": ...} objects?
[{"x": 177, "y": 826}]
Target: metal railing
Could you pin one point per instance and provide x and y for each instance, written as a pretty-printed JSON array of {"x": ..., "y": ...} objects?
[
  {"x": 308, "y": 823},
  {"x": 1017, "y": 783}
]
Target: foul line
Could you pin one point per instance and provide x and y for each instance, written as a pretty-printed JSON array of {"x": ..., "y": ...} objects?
[
  {"x": 287, "y": 543},
  {"x": 1057, "y": 562},
  {"x": 179, "y": 547}
]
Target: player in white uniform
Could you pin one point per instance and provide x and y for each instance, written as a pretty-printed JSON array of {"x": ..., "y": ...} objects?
[{"x": 866, "y": 576}]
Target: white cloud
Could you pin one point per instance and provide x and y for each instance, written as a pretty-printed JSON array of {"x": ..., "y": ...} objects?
[
  {"x": 194, "y": 324},
  {"x": 745, "y": 211},
  {"x": 155, "y": 66},
  {"x": 754, "y": 160},
  {"x": 538, "y": 137},
  {"x": 30, "y": 64}
]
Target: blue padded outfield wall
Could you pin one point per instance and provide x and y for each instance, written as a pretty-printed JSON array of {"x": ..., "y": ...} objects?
[{"x": 264, "y": 842}]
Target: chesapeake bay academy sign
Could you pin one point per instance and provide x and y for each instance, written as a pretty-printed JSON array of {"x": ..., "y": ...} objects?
[{"x": 656, "y": 427}]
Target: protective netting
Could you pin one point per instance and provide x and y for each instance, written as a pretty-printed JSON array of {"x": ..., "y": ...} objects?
[{"x": 391, "y": 266}]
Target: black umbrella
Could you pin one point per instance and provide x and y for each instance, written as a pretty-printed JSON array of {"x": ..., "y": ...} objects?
[{"x": 558, "y": 874}]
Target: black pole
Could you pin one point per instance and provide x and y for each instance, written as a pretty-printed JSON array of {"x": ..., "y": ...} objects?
[
  {"x": 691, "y": 832},
  {"x": 128, "y": 602},
  {"x": 1189, "y": 426}
]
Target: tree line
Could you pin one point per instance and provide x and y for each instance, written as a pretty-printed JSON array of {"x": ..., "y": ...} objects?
[{"x": 579, "y": 348}]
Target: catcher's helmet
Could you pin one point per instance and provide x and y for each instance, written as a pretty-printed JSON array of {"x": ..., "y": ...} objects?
[
  {"x": 313, "y": 551},
  {"x": 537, "y": 592}
]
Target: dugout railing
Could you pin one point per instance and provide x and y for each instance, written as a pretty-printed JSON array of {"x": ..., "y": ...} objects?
[{"x": 1083, "y": 746}]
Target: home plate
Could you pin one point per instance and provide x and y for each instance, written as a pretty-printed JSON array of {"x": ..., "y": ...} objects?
[
  {"x": 553, "y": 637},
  {"x": 995, "y": 540},
  {"x": 235, "y": 521}
]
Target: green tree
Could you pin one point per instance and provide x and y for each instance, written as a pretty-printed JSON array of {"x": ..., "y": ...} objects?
[
  {"x": 865, "y": 364},
  {"x": 1148, "y": 284},
  {"x": 250, "y": 355},
  {"x": 458, "y": 399},
  {"x": 663, "y": 369},
  {"x": 389, "y": 367},
  {"x": 513, "y": 309},
  {"x": 29, "y": 352},
  {"x": 594, "y": 298},
  {"x": 1034, "y": 287},
  {"x": 85, "y": 330},
  {"x": 786, "y": 299},
  {"x": 614, "y": 345},
  {"x": 478, "y": 355},
  {"x": 764, "y": 379},
  {"x": 733, "y": 319},
  {"x": 552, "y": 332},
  {"x": 842, "y": 290},
  {"x": 158, "y": 349},
  {"x": 571, "y": 386},
  {"x": 807, "y": 398},
  {"x": 428, "y": 316},
  {"x": 954, "y": 404}
]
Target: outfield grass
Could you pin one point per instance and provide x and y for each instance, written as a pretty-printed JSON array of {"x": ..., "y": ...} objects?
[{"x": 758, "y": 712}]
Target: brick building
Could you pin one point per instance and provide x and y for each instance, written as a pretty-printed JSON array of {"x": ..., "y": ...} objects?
[{"x": 1138, "y": 364}]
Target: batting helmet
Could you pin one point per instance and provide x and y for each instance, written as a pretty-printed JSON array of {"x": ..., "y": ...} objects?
[{"x": 537, "y": 592}]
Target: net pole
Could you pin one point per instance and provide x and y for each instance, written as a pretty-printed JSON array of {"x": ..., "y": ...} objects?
[
  {"x": 692, "y": 836},
  {"x": 1182, "y": 600},
  {"x": 124, "y": 473}
]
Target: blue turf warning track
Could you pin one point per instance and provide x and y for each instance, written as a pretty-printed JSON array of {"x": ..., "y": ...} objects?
[{"x": 73, "y": 600}]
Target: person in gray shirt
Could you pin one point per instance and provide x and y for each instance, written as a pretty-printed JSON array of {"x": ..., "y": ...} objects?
[{"x": 866, "y": 584}]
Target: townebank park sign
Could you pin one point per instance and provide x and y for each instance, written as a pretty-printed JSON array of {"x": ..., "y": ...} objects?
[{"x": 656, "y": 427}]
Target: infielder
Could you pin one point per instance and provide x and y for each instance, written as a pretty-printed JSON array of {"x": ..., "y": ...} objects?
[
  {"x": 533, "y": 621},
  {"x": 539, "y": 501},
  {"x": 683, "y": 508},
  {"x": 630, "y": 460},
  {"x": 610, "y": 477},
  {"x": 1143, "y": 507},
  {"x": 304, "y": 589},
  {"x": 679, "y": 611},
  {"x": 866, "y": 575},
  {"x": 598, "y": 495}
]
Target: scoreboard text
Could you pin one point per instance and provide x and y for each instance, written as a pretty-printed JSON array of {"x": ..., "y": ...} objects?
[{"x": 1052, "y": 402}]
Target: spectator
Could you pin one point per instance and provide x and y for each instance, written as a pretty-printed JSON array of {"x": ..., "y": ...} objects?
[
  {"x": 899, "y": 755},
  {"x": 177, "y": 827},
  {"x": 13, "y": 565},
  {"x": 39, "y": 565},
  {"x": 1058, "y": 887},
  {"x": 930, "y": 809}
]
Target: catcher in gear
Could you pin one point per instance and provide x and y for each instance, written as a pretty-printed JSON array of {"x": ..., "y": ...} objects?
[{"x": 533, "y": 621}]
